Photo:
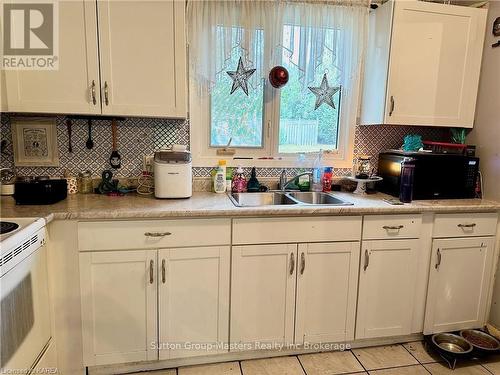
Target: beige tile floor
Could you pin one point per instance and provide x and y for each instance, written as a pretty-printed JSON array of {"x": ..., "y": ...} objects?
[{"x": 407, "y": 359}]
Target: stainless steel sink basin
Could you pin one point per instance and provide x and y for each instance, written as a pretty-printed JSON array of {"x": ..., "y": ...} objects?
[
  {"x": 260, "y": 199},
  {"x": 278, "y": 198},
  {"x": 317, "y": 198}
]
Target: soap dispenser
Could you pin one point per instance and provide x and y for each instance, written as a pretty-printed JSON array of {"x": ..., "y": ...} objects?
[
  {"x": 239, "y": 181},
  {"x": 253, "y": 184}
]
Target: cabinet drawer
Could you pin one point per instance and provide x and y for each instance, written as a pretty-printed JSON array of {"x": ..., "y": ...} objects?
[
  {"x": 295, "y": 229},
  {"x": 154, "y": 234},
  {"x": 465, "y": 225},
  {"x": 378, "y": 227}
]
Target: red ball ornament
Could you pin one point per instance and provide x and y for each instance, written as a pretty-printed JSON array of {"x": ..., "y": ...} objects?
[{"x": 278, "y": 76}]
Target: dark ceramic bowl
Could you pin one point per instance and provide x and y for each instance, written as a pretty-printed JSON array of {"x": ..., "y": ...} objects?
[{"x": 482, "y": 342}]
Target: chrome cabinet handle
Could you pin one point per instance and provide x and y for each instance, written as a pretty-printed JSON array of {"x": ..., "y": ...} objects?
[
  {"x": 157, "y": 234},
  {"x": 92, "y": 91},
  {"x": 438, "y": 263},
  {"x": 392, "y": 106},
  {"x": 472, "y": 225},
  {"x": 151, "y": 264},
  {"x": 302, "y": 263},
  {"x": 367, "y": 260},
  {"x": 292, "y": 263},
  {"x": 393, "y": 227},
  {"x": 106, "y": 99},
  {"x": 163, "y": 272}
]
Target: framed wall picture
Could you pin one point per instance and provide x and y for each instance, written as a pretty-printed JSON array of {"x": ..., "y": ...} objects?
[{"x": 35, "y": 142}]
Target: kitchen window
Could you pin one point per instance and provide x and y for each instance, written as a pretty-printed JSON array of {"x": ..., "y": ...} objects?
[{"x": 318, "y": 44}]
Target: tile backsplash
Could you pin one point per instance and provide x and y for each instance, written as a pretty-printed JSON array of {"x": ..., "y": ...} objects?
[{"x": 141, "y": 136}]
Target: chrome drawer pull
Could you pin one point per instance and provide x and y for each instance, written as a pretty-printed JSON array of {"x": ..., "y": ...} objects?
[
  {"x": 393, "y": 227},
  {"x": 157, "y": 234},
  {"x": 367, "y": 260},
  {"x": 292, "y": 263},
  {"x": 438, "y": 263},
  {"x": 94, "y": 100},
  {"x": 163, "y": 271},
  {"x": 393, "y": 103},
  {"x": 472, "y": 225},
  {"x": 106, "y": 99}
]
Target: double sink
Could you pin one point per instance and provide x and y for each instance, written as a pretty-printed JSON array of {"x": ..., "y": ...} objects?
[{"x": 283, "y": 198}]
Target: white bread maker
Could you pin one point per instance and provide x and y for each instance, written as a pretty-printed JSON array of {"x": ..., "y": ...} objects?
[{"x": 173, "y": 174}]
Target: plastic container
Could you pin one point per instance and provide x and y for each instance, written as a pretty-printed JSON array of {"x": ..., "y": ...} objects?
[
  {"x": 318, "y": 169},
  {"x": 327, "y": 179},
  {"x": 220, "y": 180},
  {"x": 303, "y": 182}
]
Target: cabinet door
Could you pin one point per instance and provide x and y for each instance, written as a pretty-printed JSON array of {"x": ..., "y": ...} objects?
[
  {"x": 68, "y": 89},
  {"x": 119, "y": 310},
  {"x": 458, "y": 283},
  {"x": 435, "y": 62},
  {"x": 386, "y": 288},
  {"x": 143, "y": 57},
  {"x": 326, "y": 292},
  {"x": 193, "y": 299},
  {"x": 263, "y": 293}
]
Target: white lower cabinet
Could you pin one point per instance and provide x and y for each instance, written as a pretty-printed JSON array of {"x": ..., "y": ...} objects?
[
  {"x": 387, "y": 283},
  {"x": 264, "y": 302},
  {"x": 460, "y": 274},
  {"x": 193, "y": 299},
  {"x": 327, "y": 278},
  {"x": 143, "y": 305},
  {"x": 119, "y": 306},
  {"x": 263, "y": 294},
  {"x": 177, "y": 302}
]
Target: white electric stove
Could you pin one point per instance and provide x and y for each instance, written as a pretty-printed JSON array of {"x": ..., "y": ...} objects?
[{"x": 24, "y": 308}]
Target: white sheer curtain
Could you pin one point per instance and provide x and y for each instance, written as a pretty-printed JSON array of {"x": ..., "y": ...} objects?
[{"x": 310, "y": 34}]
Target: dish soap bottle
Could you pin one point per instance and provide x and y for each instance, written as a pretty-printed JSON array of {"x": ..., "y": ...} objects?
[
  {"x": 239, "y": 181},
  {"x": 327, "y": 179},
  {"x": 318, "y": 169},
  {"x": 220, "y": 180}
]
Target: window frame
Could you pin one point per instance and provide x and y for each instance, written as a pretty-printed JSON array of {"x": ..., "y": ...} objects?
[{"x": 268, "y": 155}]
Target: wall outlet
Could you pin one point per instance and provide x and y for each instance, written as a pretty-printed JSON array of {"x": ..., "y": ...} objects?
[{"x": 147, "y": 163}]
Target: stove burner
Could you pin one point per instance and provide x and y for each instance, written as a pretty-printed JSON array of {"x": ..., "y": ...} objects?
[{"x": 7, "y": 227}]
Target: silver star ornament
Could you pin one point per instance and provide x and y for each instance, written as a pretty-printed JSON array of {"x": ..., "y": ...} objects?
[
  {"x": 240, "y": 77},
  {"x": 324, "y": 93}
]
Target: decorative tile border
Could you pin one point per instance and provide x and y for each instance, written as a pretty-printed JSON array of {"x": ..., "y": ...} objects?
[{"x": 141, "y": 136}]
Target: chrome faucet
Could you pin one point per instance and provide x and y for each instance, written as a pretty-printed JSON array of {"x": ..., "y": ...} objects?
[{"x": 284, "y": 182}]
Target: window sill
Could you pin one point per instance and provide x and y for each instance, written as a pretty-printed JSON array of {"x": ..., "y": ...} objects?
[{"x": 285, "y": 162}]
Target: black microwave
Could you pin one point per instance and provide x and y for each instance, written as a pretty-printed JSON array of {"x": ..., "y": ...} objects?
[{"x": 436, "y": 176}]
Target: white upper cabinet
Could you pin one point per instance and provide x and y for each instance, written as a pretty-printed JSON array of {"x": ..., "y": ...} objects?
[
  {"x": 143, "y": 58},
  {"x": 460, "y": 274},
  {"x": 423, "y": 68},
  {"x": 68, "y": 89},
  {"x": 327, "y": 278},
  {"x": 125, "y": 58}
]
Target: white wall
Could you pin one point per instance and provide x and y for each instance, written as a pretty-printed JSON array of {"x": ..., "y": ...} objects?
[{"x": 486, "y": 132}]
